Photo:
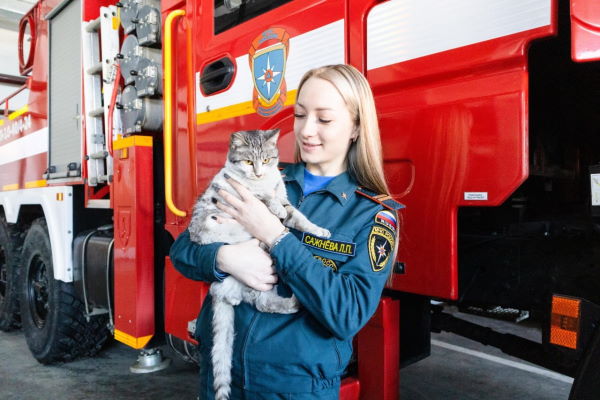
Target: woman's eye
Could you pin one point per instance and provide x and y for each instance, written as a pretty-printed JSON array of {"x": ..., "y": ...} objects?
[
  {"x": 248, "y": 162},
  {"x": 324, "y": 121},
  {"x": 296, "y": 115},
  {"x": 266, "y": 160}
]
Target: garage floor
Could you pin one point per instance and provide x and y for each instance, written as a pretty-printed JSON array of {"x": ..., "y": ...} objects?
[{"x": 458, "y": 369}]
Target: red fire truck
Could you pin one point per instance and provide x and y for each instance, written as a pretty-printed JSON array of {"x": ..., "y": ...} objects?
[{"x": 489, "y": 119}]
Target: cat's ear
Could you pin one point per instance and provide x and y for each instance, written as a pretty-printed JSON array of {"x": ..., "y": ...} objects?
[
  {"x": 238, "y": 139},
  {"x": 271, "y": 136}
]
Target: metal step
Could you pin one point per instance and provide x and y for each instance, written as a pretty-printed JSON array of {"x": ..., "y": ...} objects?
[
  {"x": 97, "y": 112},
  {"x": 93, "y": 26},
  {"x": 105, "y": 178},
  {"x": 99, "y": 155},
  {"x": 95, "y": 70}
]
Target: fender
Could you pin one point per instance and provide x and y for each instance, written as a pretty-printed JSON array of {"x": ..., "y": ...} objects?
[{"x": 57, "y": 204}]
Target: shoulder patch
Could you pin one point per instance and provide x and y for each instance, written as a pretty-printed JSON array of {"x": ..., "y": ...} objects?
[
  {"x": 380, "y": 244},
  {"x": 387, "y": 219},
  {"x": 385, "y": 200}
]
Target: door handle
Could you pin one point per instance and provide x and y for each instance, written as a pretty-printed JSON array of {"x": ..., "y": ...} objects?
[
  {"x": 217, "y": 75},
  {"x": 168, "y": 120}
]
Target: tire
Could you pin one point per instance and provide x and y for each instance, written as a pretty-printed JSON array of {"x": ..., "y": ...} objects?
[
  {"x": 10, "y": 250},
  {"x": 52, "y": 315}
]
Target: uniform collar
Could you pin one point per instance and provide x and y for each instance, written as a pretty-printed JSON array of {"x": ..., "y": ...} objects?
[{"x": 342, "y": 187}]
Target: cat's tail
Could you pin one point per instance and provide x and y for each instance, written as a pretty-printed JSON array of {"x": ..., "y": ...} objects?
[{"x": 223, "y": 325}]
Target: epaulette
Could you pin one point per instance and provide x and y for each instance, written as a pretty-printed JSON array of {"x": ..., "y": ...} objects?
[{"x": 385, "y": 200}]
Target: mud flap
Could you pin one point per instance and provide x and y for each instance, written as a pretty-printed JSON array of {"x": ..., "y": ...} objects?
[{"x": 587, "y": 380}]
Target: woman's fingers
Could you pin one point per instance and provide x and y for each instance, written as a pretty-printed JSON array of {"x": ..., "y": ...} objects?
[
  {"x": 225, "y": 219},
  {"x": 227, "y": 209},
  {"x": 264, "y": 287},
  {"x": 242, "y": 191},
  {"x": 230, "y": 199}
]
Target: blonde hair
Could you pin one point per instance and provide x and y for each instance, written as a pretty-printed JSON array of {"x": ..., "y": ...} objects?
[{"x": 364, "y": 160}]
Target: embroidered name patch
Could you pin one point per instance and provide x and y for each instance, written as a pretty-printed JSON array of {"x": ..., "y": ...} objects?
[
  {"x": 387, "y": 219},
  {"x": 327, "y": 262},
  {"x": 381, "y": 243},
  {"x": 332, "y": 246}
]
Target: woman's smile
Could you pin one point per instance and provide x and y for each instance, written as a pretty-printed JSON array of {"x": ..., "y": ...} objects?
[{"x": 310, "y": 147}]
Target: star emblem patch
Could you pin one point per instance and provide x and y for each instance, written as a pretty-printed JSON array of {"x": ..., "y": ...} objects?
[
  {"x": 268, "y": 57},
  {"x": 381, "y": 244}
]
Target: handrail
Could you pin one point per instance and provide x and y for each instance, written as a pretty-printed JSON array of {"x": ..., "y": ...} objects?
[
  {"x": 168, "y": 125},
  {"x": 111, "y": 109},
  {"x": 5, "y": 100}
]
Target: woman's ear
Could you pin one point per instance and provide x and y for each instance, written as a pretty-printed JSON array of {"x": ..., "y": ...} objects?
[{"x": 355, "y": 132}]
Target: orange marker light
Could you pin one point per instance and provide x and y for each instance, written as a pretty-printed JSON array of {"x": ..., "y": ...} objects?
[{"x": 564, "y": 324}]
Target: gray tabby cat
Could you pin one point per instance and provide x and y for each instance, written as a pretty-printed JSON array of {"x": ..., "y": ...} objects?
[{"x": 252, "y": 160}]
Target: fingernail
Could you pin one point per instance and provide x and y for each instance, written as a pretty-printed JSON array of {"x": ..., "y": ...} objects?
[
  {"x": 213, "y": 200},
  {"x": 216, "y": 187},
  {"x": 213, "y": 217},
  {"x": 226, "y": 175}
]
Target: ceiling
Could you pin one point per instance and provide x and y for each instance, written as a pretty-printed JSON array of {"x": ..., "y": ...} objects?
[{"x": 11, "y": 12}]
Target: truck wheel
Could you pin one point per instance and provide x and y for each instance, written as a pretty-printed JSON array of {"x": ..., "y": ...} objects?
[
  {"x": 9, "y": 269},
  {"x": 52, "y": 315}
]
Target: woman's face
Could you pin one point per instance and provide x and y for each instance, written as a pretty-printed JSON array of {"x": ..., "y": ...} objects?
[{"x": 323, "y": 127}]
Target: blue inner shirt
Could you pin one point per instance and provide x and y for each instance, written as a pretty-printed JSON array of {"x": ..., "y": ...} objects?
[{"x": 312, "y": 183}]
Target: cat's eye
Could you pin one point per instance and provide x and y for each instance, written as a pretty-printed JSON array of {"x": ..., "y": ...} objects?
[
  {"x": 266, "y": 160},
  {"x": 248, "y": 162}
]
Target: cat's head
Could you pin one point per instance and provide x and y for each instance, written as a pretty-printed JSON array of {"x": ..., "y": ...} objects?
[{"x": 253, "y": 153}]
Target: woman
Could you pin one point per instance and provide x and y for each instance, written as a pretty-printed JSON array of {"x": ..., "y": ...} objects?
[{"x": 338, "y": 282}]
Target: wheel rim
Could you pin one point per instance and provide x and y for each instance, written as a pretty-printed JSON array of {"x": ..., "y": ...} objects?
[
  {"x": 3, "y": 275},
  {"x": 37, "y": 291}
]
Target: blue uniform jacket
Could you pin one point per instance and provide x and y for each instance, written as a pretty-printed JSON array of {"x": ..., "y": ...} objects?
[{"x": 337, "y": 281}]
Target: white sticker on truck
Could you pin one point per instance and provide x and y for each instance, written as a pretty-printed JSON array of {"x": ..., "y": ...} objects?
[{"x": 476, "y": 195}]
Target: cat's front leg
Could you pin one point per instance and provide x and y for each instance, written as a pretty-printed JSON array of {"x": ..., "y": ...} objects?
[
  {"x": 295, "y": 219},
  {"x": 271, "y": 302},
  {"x": 275, "y": 206}
]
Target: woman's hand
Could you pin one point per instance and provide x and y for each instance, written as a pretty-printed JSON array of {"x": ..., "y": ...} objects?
[
  {"x": 248, "y": 263},
  {"x": 251, "y": 213}
]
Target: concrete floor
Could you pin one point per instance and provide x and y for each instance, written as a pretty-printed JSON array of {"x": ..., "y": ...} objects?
[{"x": 458, "y": 369}]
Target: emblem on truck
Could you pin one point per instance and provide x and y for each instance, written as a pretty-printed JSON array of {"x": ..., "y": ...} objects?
[{"x": 268, "y": 56}]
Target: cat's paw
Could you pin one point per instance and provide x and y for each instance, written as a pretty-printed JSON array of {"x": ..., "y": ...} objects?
[
  {"x": 234, "y": 302},
  {"x": 293, "y": 305},
  {"x": 277, "y": 209},
  {"x": 322, "y": 232}
]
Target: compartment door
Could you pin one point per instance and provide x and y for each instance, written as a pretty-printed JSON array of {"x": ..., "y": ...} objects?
[
  {"x": 585, "y": 30},
  {"x": 451, "y": 88},
  {"x": 64, "y": 100},
  {"x": 248, "y": 60}
]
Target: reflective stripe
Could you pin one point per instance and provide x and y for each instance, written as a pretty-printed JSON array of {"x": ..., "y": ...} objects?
[
  {"x": 402, "y": 30},
  {"x": 26, "y": 146}
]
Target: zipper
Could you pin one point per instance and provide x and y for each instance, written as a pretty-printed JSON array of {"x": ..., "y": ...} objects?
[{"x": 245, "y": 345}]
